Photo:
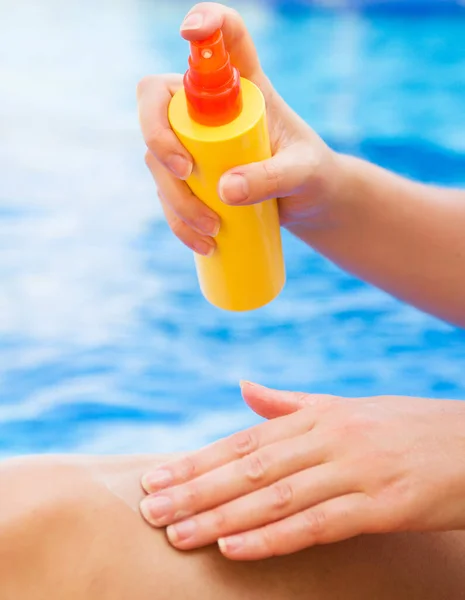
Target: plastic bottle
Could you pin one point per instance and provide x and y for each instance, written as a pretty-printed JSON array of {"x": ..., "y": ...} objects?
[{"x": 220, "y": 118}]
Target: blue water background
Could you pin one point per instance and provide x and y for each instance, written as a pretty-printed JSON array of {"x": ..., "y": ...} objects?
[{"x": 106, "y": 344}]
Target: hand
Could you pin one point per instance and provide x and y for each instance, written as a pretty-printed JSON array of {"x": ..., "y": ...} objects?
[
  {"x": 304, "y": 174},
  {"x": 330, "y": 469}
]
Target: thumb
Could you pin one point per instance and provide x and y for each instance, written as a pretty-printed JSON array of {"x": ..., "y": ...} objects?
[
  {"x": 280, "y": 176},
  {"x": 206, "y": 17},
  {"x": 270, "y": 403}
]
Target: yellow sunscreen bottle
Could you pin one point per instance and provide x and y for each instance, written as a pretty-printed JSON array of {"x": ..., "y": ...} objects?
[{"x": 220, "y": 118}]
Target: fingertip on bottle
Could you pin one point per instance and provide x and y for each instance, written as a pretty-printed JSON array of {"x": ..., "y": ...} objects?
[
  {"x": 180, "y": 166},
  {"x": 204, "y": 247},
  {"x": 192, "y": 22},
  {"x": 233, "y": 188}
]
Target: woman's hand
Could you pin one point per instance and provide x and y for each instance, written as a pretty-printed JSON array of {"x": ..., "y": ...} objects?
[
  {"x": 329, "y": 469},
  {"x": 303, "y": 172}
]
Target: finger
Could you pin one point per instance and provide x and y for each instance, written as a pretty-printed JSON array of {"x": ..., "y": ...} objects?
[
  {"x": 283, "y": 498},
  {"x": 226, "y": 450},
  {"x": 278, "y": 177},
  {"x": 332, "y": 521},
  {"x": 154, "y": 94},
  {"x": 271, "y": 403},
  {"x": 206, "y": 17},
  {"x": 181, "y": 200},
  {"x": 235, "y": 479},
  {"x": 200, "y": 244}
]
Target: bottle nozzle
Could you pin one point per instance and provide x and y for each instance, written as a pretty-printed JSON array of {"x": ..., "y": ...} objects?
[{"x": 212, "y": 84}]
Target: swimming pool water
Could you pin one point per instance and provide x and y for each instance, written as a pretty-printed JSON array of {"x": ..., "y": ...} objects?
[{"x": 106, "y": 344}]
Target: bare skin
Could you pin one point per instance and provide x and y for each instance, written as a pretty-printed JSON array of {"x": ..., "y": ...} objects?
[{"x": 70, "y": 528}]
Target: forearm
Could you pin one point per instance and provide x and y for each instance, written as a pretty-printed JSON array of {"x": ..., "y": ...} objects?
[{"x": 404, "y": 237}]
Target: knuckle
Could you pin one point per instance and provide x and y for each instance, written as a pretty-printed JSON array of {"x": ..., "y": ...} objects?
[
  {"x": 322, "y": 401},
  {"x": 149, "y": 82},
  {"x": 315, "y": 523},
  {"x": 303, "y": 399},
  {"x": 186, "y": 469},
  {"x": 268, "y": 541},
  {"x": 357, "y": 420},
  {"x": 314, "y": 161},
  {"x": 144, "y": 84},
  {"x": 389, "y": 521},
  {"x": 236, "y": 15},
  {"x": 180, "y": 230},
  {"x": 219, "y": 520},
  {"x": 177, "y": 227},
  {"x": 149, "y": 158},
  {"x": 158, "y": 140},
  {"x": 283, "y": 494},
  {"x": 384, "y": 458},
  {"x": 357, "y": 424},
  {"x": 273, "y": 176},
  {"x": 254, "y": 468},
  {"x": 239, "y": 25},
  {"x": 244, "y": 442},
  {"x": 192, "y": 496}
]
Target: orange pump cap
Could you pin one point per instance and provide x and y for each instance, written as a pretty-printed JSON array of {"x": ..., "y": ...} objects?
[{"x": 212, "y": 84}]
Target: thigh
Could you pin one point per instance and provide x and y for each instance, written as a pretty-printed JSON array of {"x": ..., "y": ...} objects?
[{"x": 69, "y": 528}]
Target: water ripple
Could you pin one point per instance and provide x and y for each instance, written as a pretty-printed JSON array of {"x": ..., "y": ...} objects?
[{"x": 105, "y": 342}]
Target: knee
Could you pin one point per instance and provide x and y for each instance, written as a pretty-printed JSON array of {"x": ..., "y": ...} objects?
[
  {"x": 31, "y": 487},
  {"x": 35, "y": 495},
  {"x": 40, "y": 517}
]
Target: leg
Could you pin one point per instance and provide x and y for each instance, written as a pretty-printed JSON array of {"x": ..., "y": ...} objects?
[{"x": 69, "y": 528}]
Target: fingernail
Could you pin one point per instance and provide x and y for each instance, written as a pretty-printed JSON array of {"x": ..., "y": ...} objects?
[
  {"x": 156, "y": 510},
  {"x": 231, "y": 544},
  {"x": 204, "y": 248},
  {"x": 233, "y": 188},
  {"x": 192, "y": 21},
  {"x": 179, "y": 166},
  {"x": 181, "y": 531},
  {"x": 157, "y": 480},
  {"x": 243, "y": 382},
  {"x": 209, "y": 226}
]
